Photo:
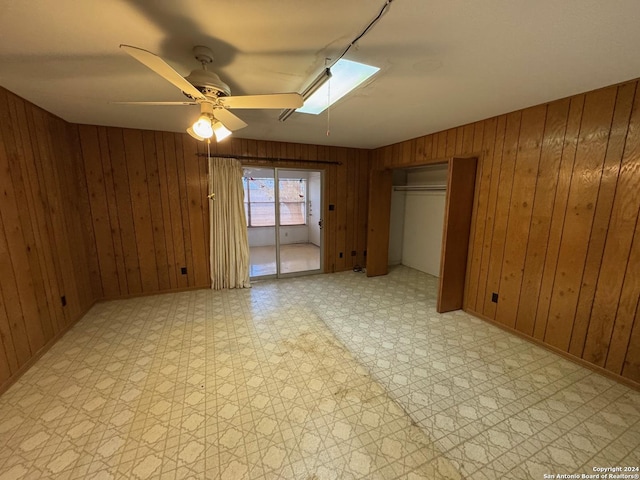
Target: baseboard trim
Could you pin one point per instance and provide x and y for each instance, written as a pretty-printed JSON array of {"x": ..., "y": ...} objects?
[
  {"x": 149, "y": 294},
  {"x": 44, "y": 349},
  {"x": 580, "y": 361}
]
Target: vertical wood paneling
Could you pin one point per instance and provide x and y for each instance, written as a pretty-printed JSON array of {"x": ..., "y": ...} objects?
[
  {"x": 558, "y": 215},
  {"x": 173, "y": 193},
  {"x": 615, "y": 261},
  {"x": 467, "y": 138},
  {"x": 555, "y": 229},
  {"x": 342, "y": 186},
  {"x": 43, "y": 250},
  {"x": 140, "y": 209},
  {"x": 352, "y": 192},
  {"x": 37, "y": 214},
  {"x": 408, "y": 152},
  {"x": 75, "y": 201},
  {"x": 459, "y": 150},
  {"x": 124, "y": 213},
  {"x": 11, "y": 300},
  {"x": 195, "y": 199},
  {"x": 7, "y": 352},
  {"x": 159, "y": 216},
  {"x": 473, "y": 265},
  {"x": 45, "y": 167},
  {"x": 183, "y": 198},
  {"x": 441, "y": 145},
  {"x": 63, "y": 214},
  {"x": 90, "y": 146},
  {"x": 203, "y": 165},
  {"x": 583, "y": 193},
  {"x": 428, "y": 149},
  {"x": 18, "y": 241},
  {"x": 37, "y": 259},
  {"x": 520, "y": 208},
  {"x": 481, "y": 204},
  {"x": 491, "y": 210},
  {"x": 509, "y": 153},
  {"x": 631, "y": 367},
  {"x": 332, "y": 226},
  {"x": 155, "y": 207},
  {"x": 110, "y": 192},
  {"x": 548, "y": 166},
  {"x": 600, "y": 227},
  {"x": 627, "y": 308},
  {"x": 361, "y": 214},
  {"x": 450, "y": 149},
  {"x": 563, "y": 264}
]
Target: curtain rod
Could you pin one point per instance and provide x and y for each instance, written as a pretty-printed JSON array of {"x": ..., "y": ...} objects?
[{"x": 267, "y": 159}]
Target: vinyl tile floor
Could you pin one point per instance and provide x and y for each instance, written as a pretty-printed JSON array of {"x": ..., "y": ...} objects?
[{"x": 326, "y": 377}]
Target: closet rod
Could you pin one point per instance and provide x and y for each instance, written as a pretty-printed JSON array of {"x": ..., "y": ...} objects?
[
  {"x": 419, "y": 188},
  {"x": 267, "y": 159}
]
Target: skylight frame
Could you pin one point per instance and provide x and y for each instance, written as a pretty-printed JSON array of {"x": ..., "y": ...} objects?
[{"x": 346, "y": 76}]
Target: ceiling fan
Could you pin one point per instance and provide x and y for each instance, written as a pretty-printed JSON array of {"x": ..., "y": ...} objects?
[{"x": 205, "y": 88}]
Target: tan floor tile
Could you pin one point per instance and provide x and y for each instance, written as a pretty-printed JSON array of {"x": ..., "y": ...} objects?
[{"x": 327, "y": 377}]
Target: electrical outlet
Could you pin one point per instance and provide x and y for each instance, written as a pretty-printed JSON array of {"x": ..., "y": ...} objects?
[
  {"x": 341, "y": 255},
  {"x": 332, "y": 207},
  {"x": 63, "y": 300},
  {"x": 365, "y": 253},
  {"x": 494, "y": 297},
  {"x": 183, "y": 270}
]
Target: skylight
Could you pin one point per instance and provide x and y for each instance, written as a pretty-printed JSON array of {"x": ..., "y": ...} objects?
[{"x": 345, "y": 76}]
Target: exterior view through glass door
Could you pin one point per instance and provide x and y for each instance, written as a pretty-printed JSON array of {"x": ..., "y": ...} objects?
[{"x": 285, "y": 236}]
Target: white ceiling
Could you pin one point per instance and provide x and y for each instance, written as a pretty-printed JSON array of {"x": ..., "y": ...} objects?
[{"x": 443, "y": 63}]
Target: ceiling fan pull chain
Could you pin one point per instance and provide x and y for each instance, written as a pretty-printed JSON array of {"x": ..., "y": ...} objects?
[
  {"x": 329, "y": 108},
  {"x": 212, "y": 195}
]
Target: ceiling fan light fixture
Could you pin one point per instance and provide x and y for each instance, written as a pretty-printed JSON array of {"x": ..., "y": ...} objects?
[
  {"x": 195, "y": 135},
  {"x": 203, "y": 127},
  {"x": 221, "y": 132}
]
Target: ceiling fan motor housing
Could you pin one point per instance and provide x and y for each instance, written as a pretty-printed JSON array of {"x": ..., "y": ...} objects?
[{"x": 208, "y": 83}]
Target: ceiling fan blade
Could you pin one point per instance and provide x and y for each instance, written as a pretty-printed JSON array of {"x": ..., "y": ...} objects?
[
  {"x": 162, "y": 68},
  {"x": 275, "y": 100},
  {"x": 228, "y": 119},
  {"x": 155, "y": 103}
]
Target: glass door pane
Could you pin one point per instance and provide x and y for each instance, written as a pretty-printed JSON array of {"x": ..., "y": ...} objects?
[
  {"x": 298, "y": 210},
  {"x": 260, "y": 210}
]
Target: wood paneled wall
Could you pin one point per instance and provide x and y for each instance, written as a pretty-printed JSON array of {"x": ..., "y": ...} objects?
[
  {"x": 98, "y": 212},
  {"x": 555, "y": 228},
  {"x": 44, "y": 239},
  {"x": 150, "y": 212}
]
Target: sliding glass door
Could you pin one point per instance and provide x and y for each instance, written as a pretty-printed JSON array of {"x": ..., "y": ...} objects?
[
  {"x": 260, "y": 210},
  {"x": 298, "y": 232},
  {"x": 283, "y": 208}
]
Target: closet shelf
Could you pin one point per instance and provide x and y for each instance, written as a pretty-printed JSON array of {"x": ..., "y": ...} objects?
[{"x": 420, "y": 188}]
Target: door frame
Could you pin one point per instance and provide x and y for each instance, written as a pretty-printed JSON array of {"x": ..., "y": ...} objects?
[
  {"x": 277, "y": 226},
  {"x": 322, "y": 201},
  {"x": 460, "y": 196}
]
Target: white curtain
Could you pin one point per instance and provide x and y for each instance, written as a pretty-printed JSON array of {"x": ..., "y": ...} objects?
[{"x": 229, "y": 240}]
